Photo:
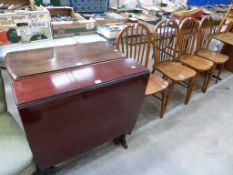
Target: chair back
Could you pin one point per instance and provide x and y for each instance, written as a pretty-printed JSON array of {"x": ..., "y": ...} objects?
[
  {"x": 205, "y": 30},
  {"x": 187, "y": 36},
  {"x": 134, "y": 41},
  {"x": 165, "y": 41}
]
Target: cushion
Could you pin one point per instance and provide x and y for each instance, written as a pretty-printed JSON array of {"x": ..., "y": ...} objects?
[{"x": 15, "y": 153}]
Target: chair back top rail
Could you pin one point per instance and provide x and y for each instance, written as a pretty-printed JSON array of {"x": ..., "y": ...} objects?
[
  {"x": 205, "y": 31},
  {"x": 134, "y": 41},
  {"x": 165, "y": 41},
  {"x": 187, "y": 36}
]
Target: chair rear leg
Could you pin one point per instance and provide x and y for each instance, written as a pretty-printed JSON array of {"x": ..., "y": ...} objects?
[
  {"x": 206, "y": 82},
  {"x": 207, "y": 79},
  {"x": 219, "y": 73},
  {"x": 190, "y": 89},
  {"x": 163, "y": 103},
  {"x": 165, "y": 97}
]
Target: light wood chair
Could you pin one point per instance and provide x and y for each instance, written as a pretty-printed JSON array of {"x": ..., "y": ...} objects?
[
  {"x": 134, "y": 41},
  {"x": 205, "y": 30},
  {"x": 165, "y": 49},
  {"x": 187, "y": 44}
]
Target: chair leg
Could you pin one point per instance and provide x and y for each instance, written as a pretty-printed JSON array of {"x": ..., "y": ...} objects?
[
  {"x": 206, "y": 82},
  {"x": 121, "y": 140},
  {"x": 219, "y": 73},
  {"x": 165, "y": 97},
  {"x": 190, "y": 89},
  {"x": 163, "y": 103},
  {"x": 207, "y": 79}
]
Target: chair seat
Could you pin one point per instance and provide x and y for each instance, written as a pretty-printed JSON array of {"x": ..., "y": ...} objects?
[
  {"x": 176, "y": 71},
  {"x": 16, "y": 156},
  {"x": 196, "y": 62},
  {"x": 216, "y": 57},
  {"x": 155, "y": 84}
]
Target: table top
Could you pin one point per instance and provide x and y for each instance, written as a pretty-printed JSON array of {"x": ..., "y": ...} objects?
[
  {"x": 74, "y": 80},
  {"x": 21, "y": 64},
  {"x": 225, "y": 37},
  {"x": 38, "y": 44}
]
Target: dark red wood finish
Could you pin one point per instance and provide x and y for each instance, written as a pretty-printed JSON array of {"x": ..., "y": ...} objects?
[
  {"x": 228, "y": 50},
  {"x": 47, "y": 85},
  {"x": 21, "y": 64},
  {"x": 63, "y": 119}
]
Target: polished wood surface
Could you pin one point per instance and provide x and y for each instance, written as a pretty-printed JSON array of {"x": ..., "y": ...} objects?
[
  {"x": 155, "y": 84},
  {"x": 228, "y": 50},
  {"x": 32, "y": 62},
  {"x": 73, "y": 111},
  {"x": 216, "y": 57},
  {"x": 196, "y": 62},
  {"x": 165, "y": 48},
  {"x": 176, "y": 71},
  {"x": 29, "y": 90},
  {"x": 224, "y": 37}
]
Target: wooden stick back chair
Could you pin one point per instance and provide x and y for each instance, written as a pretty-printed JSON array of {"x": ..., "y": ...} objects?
[
  {"x": 165, "y": 41},
  {"x": 187, "y": 46},
  {"x": 165, "y": 55},
  {"x": 188, "y": 35},
  {"x": 134, "y": 41},
  {"x": 205, "y": 31}
]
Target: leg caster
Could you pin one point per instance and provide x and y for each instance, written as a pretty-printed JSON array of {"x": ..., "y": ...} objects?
[{"x": 121, "y": 140}]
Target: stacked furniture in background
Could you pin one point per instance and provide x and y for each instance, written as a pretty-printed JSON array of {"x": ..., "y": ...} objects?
[
  {"x": 205, "y": 31},
  {"x": 172, "y": 45},
  {"x": 187, "y": 40},
  {"x": 165, "y": 47}
]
